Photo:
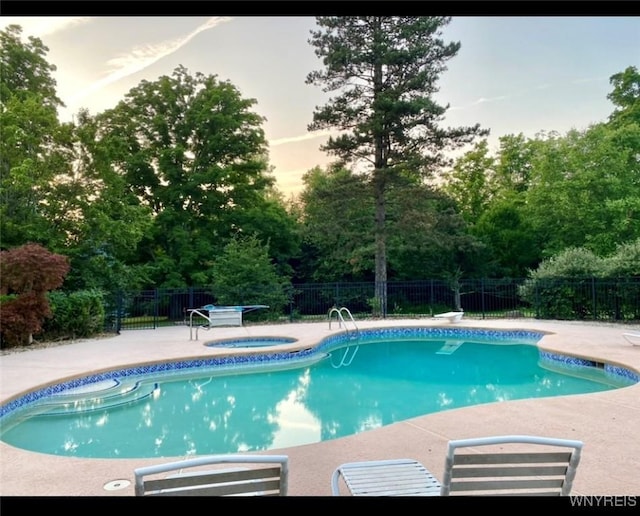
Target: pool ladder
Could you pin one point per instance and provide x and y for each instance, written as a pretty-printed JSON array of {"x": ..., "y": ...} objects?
[
  {"x": 198, "y": 326},
  {"x": 354, "y": 334},
  {"x": 341, "y": 321}
]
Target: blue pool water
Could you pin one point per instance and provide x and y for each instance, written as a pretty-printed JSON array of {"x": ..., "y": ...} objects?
[{"x": 338, "y": 389}]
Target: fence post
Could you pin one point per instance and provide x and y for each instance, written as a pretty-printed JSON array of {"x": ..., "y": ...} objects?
[
  {"x": 156, "y": 308},
  {"x": 594, "y": 303},
  {"x": 431, "y": 296},
  {"x": 119, "y": 310},
  {"x": 291, "y": 294},
  {"x": 482, "y": 297}
]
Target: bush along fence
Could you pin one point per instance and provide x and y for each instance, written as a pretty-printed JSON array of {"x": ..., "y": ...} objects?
[{"x": 590, "y": 299}]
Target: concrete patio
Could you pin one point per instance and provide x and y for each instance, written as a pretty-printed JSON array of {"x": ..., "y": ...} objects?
[{"x": 607, "y": 422}]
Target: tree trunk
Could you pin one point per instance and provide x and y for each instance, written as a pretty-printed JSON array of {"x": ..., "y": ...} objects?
[
  {"x": 381, "y": 244},
  {"x": 380, "y": 139}
]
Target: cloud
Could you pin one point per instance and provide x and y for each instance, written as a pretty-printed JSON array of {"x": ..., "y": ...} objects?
[
  {"x": 39, "y": 27},
  {"x": 301, "y": 138},
  {"x": 481, "y": 100},
  {"x": 143, "y": 56}
]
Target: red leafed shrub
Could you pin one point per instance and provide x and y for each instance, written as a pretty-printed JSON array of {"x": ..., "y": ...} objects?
[{"x": 27, "y": 273}]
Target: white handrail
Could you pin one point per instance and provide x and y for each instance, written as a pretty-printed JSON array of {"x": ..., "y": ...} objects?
[
  {"x": 341, "y": 321},
  {"x": 191, "y": 312}
]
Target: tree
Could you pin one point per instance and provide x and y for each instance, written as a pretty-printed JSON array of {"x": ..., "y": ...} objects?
[
  {"x": 512, "y": 246},
  {"x": 269, "y": 219},
  {"x": 512, "y": 173},
  {"x": 243, "y": 274},
  {"x": 426, "y": 236},
  {"x": 29, "y": 146},
  {"x": 385, "y": 70},
  {"x": 469, "y": 183},
  {"x": 28, "y": 272},
  {"x": 584, "y": 189},
  {"x": 192, "y": 150},
  {"x": 102, "y": 216},
  {"x": 337, "y": 226},
  {"x": 498, "y": 185},
  {"x": 625, "y": 96}
]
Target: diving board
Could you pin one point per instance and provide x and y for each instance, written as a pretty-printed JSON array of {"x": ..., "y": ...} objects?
[
  {"x": 452, "y": 317},
  {"x": 217, "y": 316}
]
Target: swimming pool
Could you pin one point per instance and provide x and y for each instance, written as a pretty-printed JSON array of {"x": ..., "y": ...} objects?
[{"x": 340, "y": 387}]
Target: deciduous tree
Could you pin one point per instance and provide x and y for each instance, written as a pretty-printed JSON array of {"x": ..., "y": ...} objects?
[
  {"x": 28, "y": 272},
  {"x": 625, "y": 96},
  {"x": 29, "y": 146},
  {"x": 191, "y": 148}
]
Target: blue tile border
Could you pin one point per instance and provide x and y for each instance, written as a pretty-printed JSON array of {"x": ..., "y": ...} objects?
[
  {"x": 614, "y": 372},
  {"x": 226, "y": 363}
]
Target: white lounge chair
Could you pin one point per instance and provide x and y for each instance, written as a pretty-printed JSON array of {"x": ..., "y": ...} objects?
[
  {"x": 500, "y": 465},
  {"x": 395, "y": 477},
  {"x": 452, "y": 317},
  {"x": 633, "y": 337},
  {"x": 268, "y": 476}
]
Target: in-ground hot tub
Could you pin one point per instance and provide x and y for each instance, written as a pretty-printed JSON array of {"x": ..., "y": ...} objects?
[{"x": 250, "y": 342}]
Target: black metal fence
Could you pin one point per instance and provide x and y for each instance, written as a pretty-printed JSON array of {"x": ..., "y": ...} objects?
[{"x": 566, "y": 299}]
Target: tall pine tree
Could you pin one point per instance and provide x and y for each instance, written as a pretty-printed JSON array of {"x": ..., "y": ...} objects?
[{"x": 384, "y": 70}]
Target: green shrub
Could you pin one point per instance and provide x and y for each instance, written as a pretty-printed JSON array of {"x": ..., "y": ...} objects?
[
  {"x": 75, "y": 315},
  {"x": 624, "y": 262},
  {"x": 577, "y": 284}
]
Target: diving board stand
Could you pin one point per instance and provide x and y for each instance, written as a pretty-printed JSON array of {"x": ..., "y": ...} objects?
[
  {"x": 217, "y": 316},
  {"x": 452, "y": 317}
]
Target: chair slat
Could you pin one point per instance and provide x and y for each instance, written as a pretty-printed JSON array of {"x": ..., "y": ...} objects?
[
  {"x": 484, "y": 485},
  {"x": 511, "y": 471},
  {"x": 510, "y": 458}
]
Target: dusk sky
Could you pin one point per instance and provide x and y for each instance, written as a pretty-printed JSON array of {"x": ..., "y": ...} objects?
[{"x": 512, "y": 75}]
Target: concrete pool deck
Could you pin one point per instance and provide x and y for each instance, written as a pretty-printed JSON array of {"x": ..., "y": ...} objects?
[{"x": 607, "y": 422}]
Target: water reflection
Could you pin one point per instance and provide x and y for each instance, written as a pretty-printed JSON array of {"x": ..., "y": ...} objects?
[{"x": 381, "y": 383}]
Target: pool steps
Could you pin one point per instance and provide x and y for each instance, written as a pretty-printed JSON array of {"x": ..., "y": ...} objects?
[{"x": 85, "y": 399}]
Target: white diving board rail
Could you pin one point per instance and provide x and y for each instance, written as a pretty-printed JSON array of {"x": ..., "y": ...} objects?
[{"x": 216, "y": 316}]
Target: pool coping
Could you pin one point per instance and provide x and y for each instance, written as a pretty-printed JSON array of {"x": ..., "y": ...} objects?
[
  {"x": 282, "y": 354},
  {"x": 607, "y": 422}
]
